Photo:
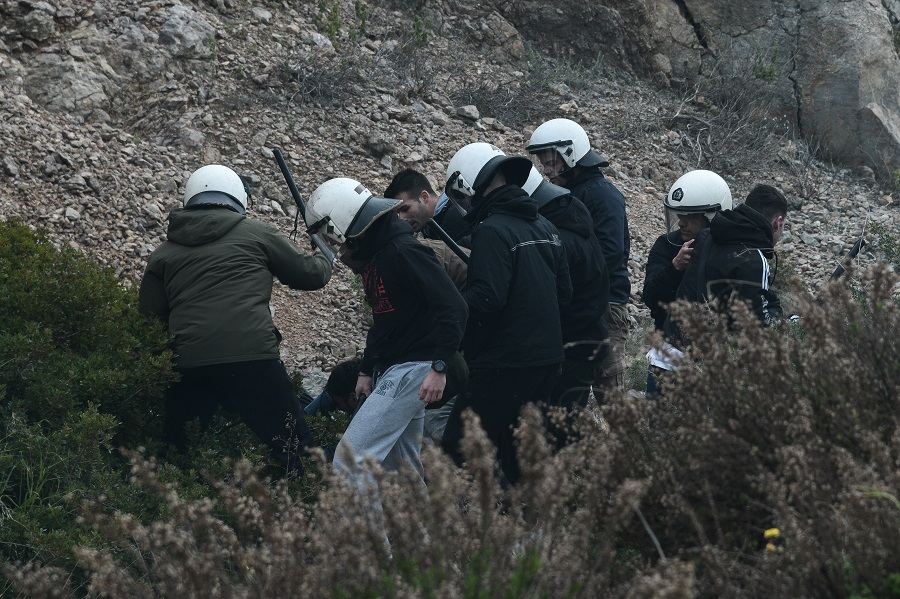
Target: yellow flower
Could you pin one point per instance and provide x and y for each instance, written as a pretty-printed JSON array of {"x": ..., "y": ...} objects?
[{"x": 772, "y": 533}]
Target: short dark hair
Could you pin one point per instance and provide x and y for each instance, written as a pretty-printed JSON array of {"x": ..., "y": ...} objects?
[
  {"x": 342, "y": 380},
  {"x": 768, "y": 200},
  {"x": 409, "y": 180}
]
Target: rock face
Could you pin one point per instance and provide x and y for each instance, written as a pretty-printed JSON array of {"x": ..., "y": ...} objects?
[{"x": 833, "y": 64}]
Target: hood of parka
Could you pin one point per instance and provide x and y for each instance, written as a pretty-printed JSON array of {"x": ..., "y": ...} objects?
[
  {"x": 201, "y": 225},
  {"x": 743, "y": 226},
  {"x": 508, "y": 199},
  {"x": 569, "y": 213}
]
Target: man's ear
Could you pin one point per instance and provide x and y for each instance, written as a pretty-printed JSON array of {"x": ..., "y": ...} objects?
[{"x": 424, "y": 196}]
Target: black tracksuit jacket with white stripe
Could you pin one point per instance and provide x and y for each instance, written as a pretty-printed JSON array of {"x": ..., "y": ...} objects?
[
  {"x": 730, "y": 259},
  {"x": 518, "y": 279}
]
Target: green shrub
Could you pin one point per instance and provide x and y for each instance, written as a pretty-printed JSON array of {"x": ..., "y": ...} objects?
[
  {"x": 358, "y": 31},
  {"x": 328, "y": 20},
  {"x": 81, "y": 372},
  {"x": 44, "y": 475},
  {"x": 765, "y": 66},
  {"x": 887, "y": 244},
  {"x": 71, "y": 334}
]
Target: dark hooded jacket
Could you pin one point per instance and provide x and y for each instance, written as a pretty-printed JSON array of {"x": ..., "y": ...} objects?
[
  {"x": 583, "y": 325},
  {"x": 453, "y": 223},
  {"x": 517, "y": 281},
  {"x": 211, "y": 282},
  {"x": 661, "y": 278},
  {"x": 417, "y": 313},
  {"x": 607, "y": 207},
  {"x": 730, "y": 259}
]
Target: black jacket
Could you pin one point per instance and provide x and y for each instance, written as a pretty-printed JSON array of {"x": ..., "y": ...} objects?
[
  {"x": 583, "y": 325},
  {"x": 417, "y": 312},
  {"x": 451, "y": 220},
  {"x": 518, "y": 279},
  {"x": 661, "y": 278},
  {"x": 607, "y": 207},
  {"x": 730, "y": 259}
]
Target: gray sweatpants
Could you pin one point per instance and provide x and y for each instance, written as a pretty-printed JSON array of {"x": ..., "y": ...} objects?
[
  {"x": 436, "y": 422},
  {"x": 389, "y": 424}
]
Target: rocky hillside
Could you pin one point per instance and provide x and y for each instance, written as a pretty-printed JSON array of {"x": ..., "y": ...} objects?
[{"x": 108, "y": 106}]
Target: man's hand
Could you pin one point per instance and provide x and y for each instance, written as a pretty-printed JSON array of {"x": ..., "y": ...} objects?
[
  {"x": 681, "y": 261},
  {"x": 432, "y": 388},
  {"x": 363, "y": 385}
]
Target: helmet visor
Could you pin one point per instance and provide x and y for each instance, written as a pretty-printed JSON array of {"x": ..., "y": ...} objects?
[
  {"x": 461, "y": 200},
  {"x": 548, "y": 162},
  {"x": 370, "y": 211},
  {"x": 458, "y": 189},
  {"x": 333, "y": 241},
  {"x": 688, "y": 224}
]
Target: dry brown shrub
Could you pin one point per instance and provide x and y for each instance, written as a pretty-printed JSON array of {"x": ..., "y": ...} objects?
[
  {"x": 733, "y": 115},
  {"x": 462, "y": 535},
  {"x": 793, "y": 427}
]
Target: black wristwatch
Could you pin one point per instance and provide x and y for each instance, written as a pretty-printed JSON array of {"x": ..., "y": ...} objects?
[{"x": 439, "y": 366}]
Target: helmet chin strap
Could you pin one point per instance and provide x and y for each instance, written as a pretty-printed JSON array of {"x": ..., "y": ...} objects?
[{"x": 565, "y": 172}]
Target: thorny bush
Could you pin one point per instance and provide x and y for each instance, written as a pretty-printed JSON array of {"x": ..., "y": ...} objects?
[{"x": 733, "y": 112}]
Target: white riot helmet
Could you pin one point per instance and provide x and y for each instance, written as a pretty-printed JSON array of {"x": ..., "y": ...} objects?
[
  {"x": 697, "y": 192},
  {"x": 541, "y": 190},
  {"x": 569, "y": 140},
  {"x": 473, "y": 167},
  {"x": 342, "y": 209},
  {"x": 533, "y": 182},
  {"x": 216, "y": 185}
]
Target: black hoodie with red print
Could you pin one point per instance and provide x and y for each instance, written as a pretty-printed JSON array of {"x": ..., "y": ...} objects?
[{"x": 418, "y": 314}]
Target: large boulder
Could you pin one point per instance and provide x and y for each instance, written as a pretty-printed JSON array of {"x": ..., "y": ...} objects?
[
  {"x": 187, "y": 33},
  {"x": 848, "y": 80},
  {"x": 104, "y": 54},
  {"x": 834, "y": 64},
  {"x": 64, "y": 84}
]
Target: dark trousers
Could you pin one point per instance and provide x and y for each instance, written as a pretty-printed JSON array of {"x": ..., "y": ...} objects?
[
  {"x": 497, "y": 397},
  {"x": 573, "y": 387},
  {"x": 261, "y": 393},
  {"x": 571, "y": 392}
]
